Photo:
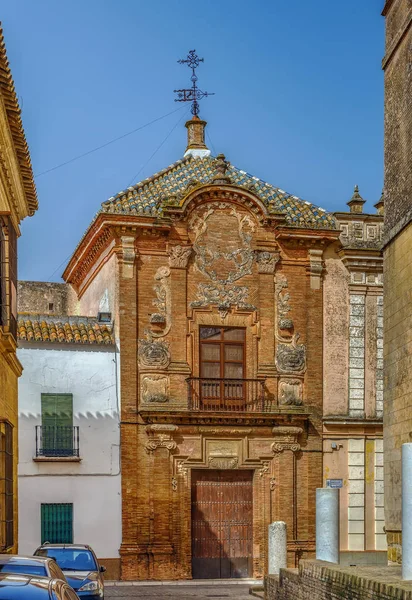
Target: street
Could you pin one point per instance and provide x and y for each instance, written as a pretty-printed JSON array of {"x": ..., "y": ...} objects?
[{"x": 179, "y": 592}]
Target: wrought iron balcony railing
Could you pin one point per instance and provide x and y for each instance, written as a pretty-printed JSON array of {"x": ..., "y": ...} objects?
[
  {"x": 232, "y": 395},
  {"x": 55, "y": 441}
]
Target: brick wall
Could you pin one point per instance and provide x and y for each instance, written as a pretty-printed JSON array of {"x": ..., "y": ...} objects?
[{"x": 323, "y": 581}]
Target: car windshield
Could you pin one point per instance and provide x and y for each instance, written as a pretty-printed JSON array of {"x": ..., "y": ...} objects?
[
  {"x": 26, "y": 569},
  {"x": 70, "y": 559}
]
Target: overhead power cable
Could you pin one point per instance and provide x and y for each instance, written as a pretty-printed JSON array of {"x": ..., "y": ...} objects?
[
  {"x": 134, "y": 179},
  {"x": 120, "y": 137}
]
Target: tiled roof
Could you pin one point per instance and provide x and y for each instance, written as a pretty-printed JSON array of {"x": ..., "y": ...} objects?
[
  {"x": 146, "y": 197},
  {"x": 11, "y": 104},
  {"x": 63, "y": 330}
]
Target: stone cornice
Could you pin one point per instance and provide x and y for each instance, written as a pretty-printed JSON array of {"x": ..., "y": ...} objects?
[
  {"x": 100, "y": 234},
  {"x": 222, "y": 193},
  {"x": 8, "y": 348},
  {"x": 287, "y": 417},
  {"x": 310, "y": 237},
  {"x": 357, "y": 259},
  {"x": 13, "y": 144}
]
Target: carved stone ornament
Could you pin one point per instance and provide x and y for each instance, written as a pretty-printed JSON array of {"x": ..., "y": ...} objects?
[
  {"x": 267, "y": 261},
  {"x": 222, "y": 462},
  {"x": 291, "y": 357},
  {"x": 287, "y": 439},
  {"x": 128, "y": 256},
  {"x": 163, "y": 301},
  {"x": 315, "y": 268},
  {"x": 221, "y": 168},
  {"x": 162, "y": 441},
  {"x": 290, "y": 392},
  {"x": 153, "y": 354},
  {"x": 222, "y": 265},
  {"x": 174, "y": 484},
  {"x": 265, "y": 469},
  {"x": 179, "y": 256},
  {"x": 283, "y": 306},
  {"x": 272, "y": 483},
  {"x": 155, "y": 388}
]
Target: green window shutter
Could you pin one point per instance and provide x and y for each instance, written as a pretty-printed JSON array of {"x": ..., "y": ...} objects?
[
  {"x": 57, "y": 423},
  {"x": 57, "y": 523}
]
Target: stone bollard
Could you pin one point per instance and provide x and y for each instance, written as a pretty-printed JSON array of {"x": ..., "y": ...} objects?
[
  {"x": 277, "y": 547},
  {"x": 327, "y": 524},
  {"x": 406, "y": 511}
]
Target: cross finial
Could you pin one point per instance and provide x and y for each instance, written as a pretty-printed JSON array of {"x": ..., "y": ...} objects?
[{"x": 192, "y": 94}]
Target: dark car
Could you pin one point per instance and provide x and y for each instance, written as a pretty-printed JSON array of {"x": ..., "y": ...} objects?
[
  {"x": 31, "y": 565},
  {"x": 80, "y": 566},
  {"x": 32, "y": 587}
]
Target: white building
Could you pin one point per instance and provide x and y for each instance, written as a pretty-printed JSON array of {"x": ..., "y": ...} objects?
[{"x": 69, "y": 469}]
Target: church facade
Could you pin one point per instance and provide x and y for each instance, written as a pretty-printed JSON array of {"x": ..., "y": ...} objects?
[{"x": 234, "y": 306}]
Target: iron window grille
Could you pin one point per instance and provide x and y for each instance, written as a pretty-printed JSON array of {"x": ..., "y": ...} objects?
[
  {"x": 57, "y": 523},
  {"x": 57, "y": 441},
  {"x": 6, "y": 486},
  {"x": 8, "y": 276}
]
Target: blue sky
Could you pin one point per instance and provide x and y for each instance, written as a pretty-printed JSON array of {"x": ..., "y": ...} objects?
[{"x": 298, "y": 100}]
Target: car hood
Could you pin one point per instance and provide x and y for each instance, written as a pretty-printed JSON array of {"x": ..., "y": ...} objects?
[{"x": 78, "y": 578}]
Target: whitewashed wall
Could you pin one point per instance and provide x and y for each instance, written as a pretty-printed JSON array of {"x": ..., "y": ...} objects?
[{"x": 93, "y": 484}]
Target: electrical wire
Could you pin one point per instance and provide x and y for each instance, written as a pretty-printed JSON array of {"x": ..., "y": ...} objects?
[
  {"x": 134, "y": 179},
  {"x": 120, "y": 137}
]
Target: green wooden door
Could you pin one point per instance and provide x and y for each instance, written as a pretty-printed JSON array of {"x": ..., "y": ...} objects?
[{"x": 57, "y": 424}]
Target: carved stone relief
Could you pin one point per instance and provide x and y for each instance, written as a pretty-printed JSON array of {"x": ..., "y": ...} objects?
[
  {"x": 287, "y": 439},
  {"x": 290, "y": 392},
  {"x": 267, "y": 261},
  {"x": 153, "y": 354},
  {"x": 290, "y": 355},
  {"x": 222, "y": 266},
  {"x": 155, "y": 388},
  {"x": 179, "y": 256},
  {"x": 161, "y": 441},
  {"x": 223, "y": 462},
  {"x": 163, "y": 301}
]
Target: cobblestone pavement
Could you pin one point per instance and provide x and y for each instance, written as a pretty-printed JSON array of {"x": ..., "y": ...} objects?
[{"x": 180, "y": 592}]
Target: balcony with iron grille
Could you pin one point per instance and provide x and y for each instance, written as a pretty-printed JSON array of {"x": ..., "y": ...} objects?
[
  {"x": 57, "y": 443},
  {"x": 227, "y": 395}
]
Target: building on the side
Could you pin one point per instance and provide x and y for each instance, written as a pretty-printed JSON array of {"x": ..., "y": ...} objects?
[
  {"x": 397, "y": 258},
  {"x": 69, "y": 432},
  {"x": 220, "y": 286},
  {"x": 18, "y": 200},
  {"x": 353, "y": 375}
]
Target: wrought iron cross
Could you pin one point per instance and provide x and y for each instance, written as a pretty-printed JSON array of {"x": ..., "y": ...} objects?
[{"x": 192, "y": 94}]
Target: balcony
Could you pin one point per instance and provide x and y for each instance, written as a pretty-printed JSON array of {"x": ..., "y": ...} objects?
[
  {"x": 54, "y": 442},
  {"x": 227, "y": 395}
]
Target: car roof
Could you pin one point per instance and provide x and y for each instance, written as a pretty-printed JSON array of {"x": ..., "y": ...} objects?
[
  {"x": 17, "y": 558},
  {"x": 73, "y": 546},
  {"x": 18, "y": 586}
]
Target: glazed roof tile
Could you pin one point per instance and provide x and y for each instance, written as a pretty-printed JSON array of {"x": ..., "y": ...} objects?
[
  {"x": 146, "y": 197},
  {"x": 63, "y": 330}
]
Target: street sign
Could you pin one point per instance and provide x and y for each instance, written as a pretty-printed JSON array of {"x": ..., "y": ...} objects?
[{"x": 334, "y": 483}]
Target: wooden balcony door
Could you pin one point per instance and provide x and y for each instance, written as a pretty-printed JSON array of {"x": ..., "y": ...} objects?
[
  {"x": 222, "y": 524},
  {"x": 222, "y": 367}
]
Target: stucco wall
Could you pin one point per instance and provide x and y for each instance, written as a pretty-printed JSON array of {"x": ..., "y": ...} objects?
[
  {"x": 92, "y": 485},
  {"x": 336, "y": 335},
  {"x": 397, "y": 368}
]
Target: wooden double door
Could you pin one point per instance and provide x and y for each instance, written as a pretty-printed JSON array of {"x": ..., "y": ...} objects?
[{"x": 222, "y": 524}]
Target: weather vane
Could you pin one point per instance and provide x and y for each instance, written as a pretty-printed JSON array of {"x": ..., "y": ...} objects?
[{"x": 192, "y": 94}]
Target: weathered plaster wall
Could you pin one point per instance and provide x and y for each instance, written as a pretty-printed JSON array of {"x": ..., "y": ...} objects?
[
  {"x": 103, "y": 285},
  {"x": 336, "y": 335},
  {"x": 398, "y": 372},
  {"x": 36, "y": 297},
  {"x": 93, "y": 485}
]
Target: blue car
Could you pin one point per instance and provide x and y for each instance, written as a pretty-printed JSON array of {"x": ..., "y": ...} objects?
[
  {"x": 80, "y": 567},
  {"x": 33, "y": 587}
]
